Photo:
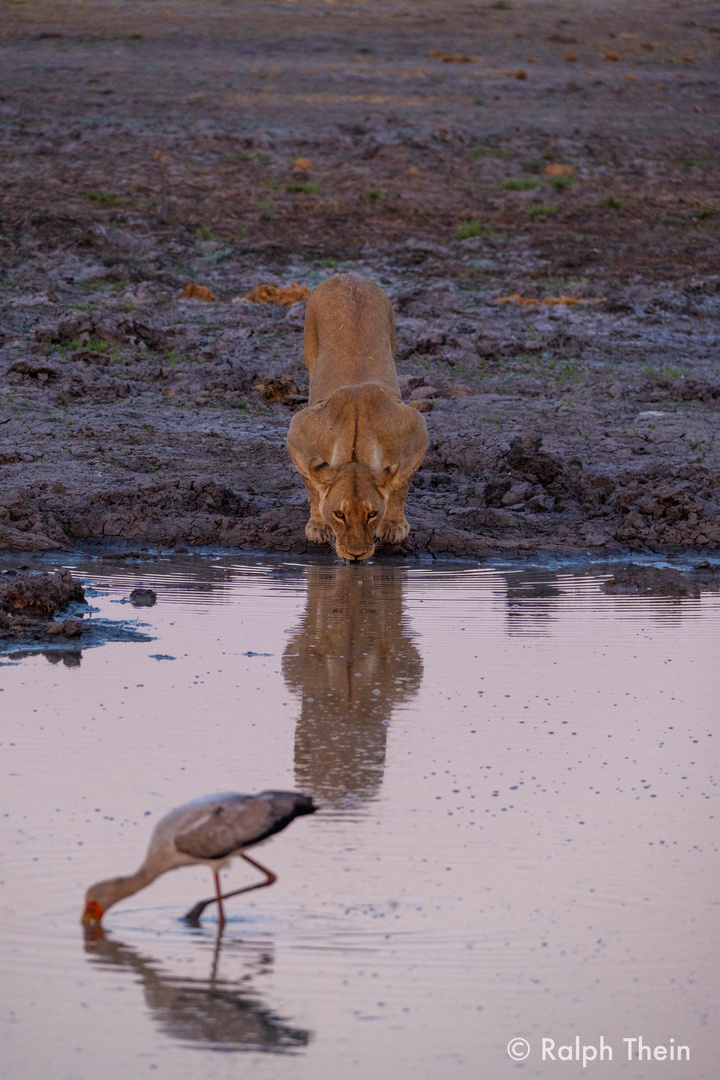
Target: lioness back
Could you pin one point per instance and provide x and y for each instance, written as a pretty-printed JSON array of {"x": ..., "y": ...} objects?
[
  {"x": 349, "y": 336},
  {"x": 356, "y": 445}
]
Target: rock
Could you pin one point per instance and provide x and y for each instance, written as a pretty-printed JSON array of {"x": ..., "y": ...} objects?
[
  {"x": 422, "y": 392},
  {"x": 143, "y": 597},
  {"x": 296, "y": 315},
  {"x": 40, "y": 595},
  {"x": 525, "y": 456},
  {"x": 69, "y": 628},
  {"x": 518, "y": 493}
]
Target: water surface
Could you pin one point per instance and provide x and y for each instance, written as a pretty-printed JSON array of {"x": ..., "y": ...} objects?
[{"x": 518, "y": 834}]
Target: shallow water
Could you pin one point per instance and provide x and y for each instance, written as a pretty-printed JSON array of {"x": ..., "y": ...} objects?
[{"x": 518, "y": 836}]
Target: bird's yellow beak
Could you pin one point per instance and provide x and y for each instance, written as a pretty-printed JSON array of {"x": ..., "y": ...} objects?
[{"x": 93, "y": 913}]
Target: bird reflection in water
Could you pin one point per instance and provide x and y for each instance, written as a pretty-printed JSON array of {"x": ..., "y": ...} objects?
[
  {"x": 222, "y": 1013},
  {"x": 353, "y": 661}
]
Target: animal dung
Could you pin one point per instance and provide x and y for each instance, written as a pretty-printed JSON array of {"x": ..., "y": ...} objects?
[
  {"x": 274, "y": 294},
  {"x": 272, "y": 389},
  {"x": 450, "y": 58},
  {"x": 196, "y": 292}
]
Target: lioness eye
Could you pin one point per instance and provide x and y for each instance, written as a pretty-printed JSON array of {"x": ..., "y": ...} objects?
[
  {"x": 372, "y": 514},
  {"x": 339, "y": 515}
]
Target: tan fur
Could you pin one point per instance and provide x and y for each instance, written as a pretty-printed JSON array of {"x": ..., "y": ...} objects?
[{"x": 356, "y": 445}]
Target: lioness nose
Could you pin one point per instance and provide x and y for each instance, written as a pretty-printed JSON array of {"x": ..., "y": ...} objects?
[{"x": 356, "y": 556}]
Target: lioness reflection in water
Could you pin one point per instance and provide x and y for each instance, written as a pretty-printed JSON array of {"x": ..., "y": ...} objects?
[{"x": 353, "y": 662}]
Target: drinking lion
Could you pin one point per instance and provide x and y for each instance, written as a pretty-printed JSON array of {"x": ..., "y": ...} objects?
[{"x": 356, "y": 445}]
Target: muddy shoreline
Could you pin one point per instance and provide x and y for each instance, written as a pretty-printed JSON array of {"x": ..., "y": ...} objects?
[{"x": 220, "y": 147}]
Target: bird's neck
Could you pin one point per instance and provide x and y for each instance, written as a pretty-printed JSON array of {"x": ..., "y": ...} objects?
[{"x": 121, "y": 887}]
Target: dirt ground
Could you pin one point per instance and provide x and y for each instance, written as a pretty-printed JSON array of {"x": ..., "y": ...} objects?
[{"x": 147, "y": 146}]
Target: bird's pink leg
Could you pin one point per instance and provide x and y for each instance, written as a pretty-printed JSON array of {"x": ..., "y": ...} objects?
[
  {"x": 218, "y": 897},
  {"x": 270, "y": 878},
  {"x": 193, "y": 916}
]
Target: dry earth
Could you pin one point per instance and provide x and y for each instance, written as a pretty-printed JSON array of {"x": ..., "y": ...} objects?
[{"x": 145, "y": 147}]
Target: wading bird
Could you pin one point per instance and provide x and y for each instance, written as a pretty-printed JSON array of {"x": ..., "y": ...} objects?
[{"x": 211, "y": 831}]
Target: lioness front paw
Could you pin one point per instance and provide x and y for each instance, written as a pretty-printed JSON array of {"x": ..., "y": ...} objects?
[
  {"x": 318, "y": 532},
  {"x": 393, "y": 532}
]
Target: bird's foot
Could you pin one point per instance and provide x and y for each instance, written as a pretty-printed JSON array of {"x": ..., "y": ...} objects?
[{"x": 192, "y": 917}]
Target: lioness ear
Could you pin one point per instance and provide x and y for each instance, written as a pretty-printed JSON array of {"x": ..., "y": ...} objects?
[
  {"x": 383, "y": 477},
  {"x": 321, "y": 472}
]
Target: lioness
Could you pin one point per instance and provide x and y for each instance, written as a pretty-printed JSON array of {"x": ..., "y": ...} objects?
[{"x": 356, "y": 446}]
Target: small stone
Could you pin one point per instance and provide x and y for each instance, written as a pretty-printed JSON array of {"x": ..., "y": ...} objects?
[{"x": 143, "y": 597}]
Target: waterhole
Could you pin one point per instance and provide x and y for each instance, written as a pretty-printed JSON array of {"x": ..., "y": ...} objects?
[{"x": 518, "y": 834}]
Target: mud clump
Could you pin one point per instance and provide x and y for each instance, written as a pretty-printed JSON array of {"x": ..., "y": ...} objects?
[
  {"x": 650, "y": 581},
  {"x": 143, "y": 597},
  {"x": 28, "y": 601},
  {"x": 272, "y": 389},
  {"x": 526, "y": 457}
]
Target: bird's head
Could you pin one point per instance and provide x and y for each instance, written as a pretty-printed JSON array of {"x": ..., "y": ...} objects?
[
  {"x": 99, "y": 898},
  {"x": 93, "y": 913}
]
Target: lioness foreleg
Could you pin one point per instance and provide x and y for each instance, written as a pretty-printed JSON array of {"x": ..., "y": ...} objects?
[
  {"x": 316, "y": 530},
  {"x": 394, "y": 526}
]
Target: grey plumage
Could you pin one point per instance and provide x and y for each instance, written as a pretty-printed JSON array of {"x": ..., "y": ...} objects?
[
  {"x": 238, "y": 821},
  {"x": 210, "y": 830}
]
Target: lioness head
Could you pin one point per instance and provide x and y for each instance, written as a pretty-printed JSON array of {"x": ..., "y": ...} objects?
[{"x": 353, "y": 501}]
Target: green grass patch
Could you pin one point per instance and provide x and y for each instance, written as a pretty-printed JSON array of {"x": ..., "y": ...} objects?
[
  {"x": 611, "y": 202},
  {"x": 95, "y": 345},
  {"x": 374, "y": 195},
  {"x": 542, "y": 209},
  {"x": 472, "y": 228},
  {"x": 567, "y": 373},
  {"x": 309, "y": 187},
  {"x": 489, "y": 151},
  {"x": 107, "y": 198},
  {"x": 521, "y": 183},
  {"x": 697, "y": 162},
  {"x": 561, "y": 183},
  {"x": 205, "y": 232}
]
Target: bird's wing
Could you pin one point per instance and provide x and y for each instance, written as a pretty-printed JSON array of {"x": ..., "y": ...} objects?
[{"x": 227, "y": 828}]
